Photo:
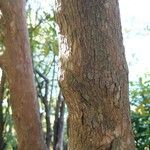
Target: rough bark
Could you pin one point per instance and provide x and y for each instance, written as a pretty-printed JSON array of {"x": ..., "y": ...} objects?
[
  {"x": 18, "y": 67},
  {"x": 94, "y": 75}
]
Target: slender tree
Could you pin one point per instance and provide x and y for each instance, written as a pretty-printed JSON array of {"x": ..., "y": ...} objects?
[
  {"x": 16, "y": 62},
  {"x": 59, "y": 123},
  {"x": 2, "y": 122},
  {"x": 94, "y": 75},
  {"x": 44, "y": 99}
]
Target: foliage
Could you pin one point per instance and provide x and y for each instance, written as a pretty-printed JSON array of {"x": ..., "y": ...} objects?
[
  {"x": 42, "y": 32},
  {"x": 140, "y": 104},
  {"x": 9, "y": 134}
]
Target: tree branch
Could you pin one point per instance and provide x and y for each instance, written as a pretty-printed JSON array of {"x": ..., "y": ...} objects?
[
  {"x": 46, "y": 105},
  {"x": 42, "y": 75}
]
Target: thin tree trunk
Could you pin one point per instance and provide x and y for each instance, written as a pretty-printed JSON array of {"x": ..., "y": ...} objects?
[
  {"x": 59, "y": 123},
  {"x": 94, "y": 75},
  {"x": 2, "y": 122},
  {"x": 16, "y": 61},
  {"x": 45, "y": 102}
]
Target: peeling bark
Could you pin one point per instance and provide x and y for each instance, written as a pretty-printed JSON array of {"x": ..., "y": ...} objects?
[{"x": 94, "y": 75}]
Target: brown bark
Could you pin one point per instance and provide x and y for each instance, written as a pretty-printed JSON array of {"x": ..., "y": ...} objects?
[
  {"x": 18, "y": 66},
  {"x": 94, "y": 75}
]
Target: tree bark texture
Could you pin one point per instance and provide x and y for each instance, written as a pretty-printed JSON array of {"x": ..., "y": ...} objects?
[
  {"x": 94, "y": 75},
  {"x": 16, "y": 62}
]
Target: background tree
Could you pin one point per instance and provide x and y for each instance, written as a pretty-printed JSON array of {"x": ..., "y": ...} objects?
[
  {"x": 59, "y": 123},
  {"x": 16, "y": 62},
  {"x": 94, "y": 75},
  {"x": 43, "y": 41},
  {"x": 140, "y": 101},
  {"x": 2, "y": 84}
]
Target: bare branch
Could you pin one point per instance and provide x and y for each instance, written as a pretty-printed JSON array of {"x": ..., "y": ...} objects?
[
  {"x": 47, "y": 108},
  {"x": 42, "y": 75}
]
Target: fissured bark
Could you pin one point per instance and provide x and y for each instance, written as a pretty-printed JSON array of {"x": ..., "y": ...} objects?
[{"x": 94, "y": 75}]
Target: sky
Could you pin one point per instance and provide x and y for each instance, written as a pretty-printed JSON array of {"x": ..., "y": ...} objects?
[{"x": 135, "y": 19}]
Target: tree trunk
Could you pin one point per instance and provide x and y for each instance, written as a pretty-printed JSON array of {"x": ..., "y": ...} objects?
[
  {"x": 2, "y": 122},
  {"x": 16, "y": 61},
  {"x": 59, "y": 123},
  {"x": 94, "y": 75}
]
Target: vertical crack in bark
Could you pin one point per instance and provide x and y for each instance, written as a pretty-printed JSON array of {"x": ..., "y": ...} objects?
[{"x": 96, "y": 90}]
